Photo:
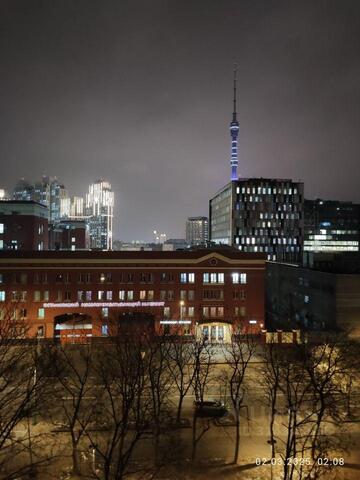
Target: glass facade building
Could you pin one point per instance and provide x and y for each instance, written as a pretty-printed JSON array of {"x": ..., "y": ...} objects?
[
  {"x": 99, "y": 210},
  {"x": 260, "y": 215},
  {"x": 331, "y": 226}
]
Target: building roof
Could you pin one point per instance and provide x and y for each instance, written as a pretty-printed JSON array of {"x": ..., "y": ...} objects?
[{"x": 228, "y": 255}]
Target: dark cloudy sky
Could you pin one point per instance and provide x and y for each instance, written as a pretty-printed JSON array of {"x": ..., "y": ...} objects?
[{"x": 139, "y": 92}]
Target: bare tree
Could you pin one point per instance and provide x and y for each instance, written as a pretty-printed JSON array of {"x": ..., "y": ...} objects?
[
  {"x": 181, "y": 368},
  {"x": 238, "y": 355},
  {"x": 125, "y": 400},
  {"x": 160, "y": 383},
  {"x": 21, "y": 383},
  {"x": 72, "y": 366},
  {"x": 202, "y": 352}
]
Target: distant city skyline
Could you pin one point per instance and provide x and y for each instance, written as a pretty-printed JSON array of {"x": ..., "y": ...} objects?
[{"x": 143, "y": 97}]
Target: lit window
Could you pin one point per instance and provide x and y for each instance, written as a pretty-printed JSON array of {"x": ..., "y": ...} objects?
[
  {"x": 109, "y": 295},
  {"x": 37, "y": 296},
  {"x": 142, "y": 294},
  {"x": 191, "y": 311},
  {"x": 104, "y": 330},
  {"x": 121, "y": 294},
  {"x": 41, "y": 313},
  {"x": 104, "y": 312},
  {"x": 150, "y": 295},
  {"x": 130, "y": 295},
  {"x": 205, "y": 278},
  {"x": 191, "y": 277},
  {"x": 182, "y": 277},
  {"x": 1, "y": 244},
  {"x": 166, "y": 312},
  {"x": 1, "y": 228},
  {"x": 88, "y": 296},
  {"x": 2, "y": 296}
]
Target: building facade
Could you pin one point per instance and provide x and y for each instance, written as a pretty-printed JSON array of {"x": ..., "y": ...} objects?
[
  {"x": 99, "y": 210},
  {"x": 69, "y": 235},
  {"x": 72, "y": 208},
  {"x": 23, "y": 191},
  {"x": 331, "y": 226},
  {"x": 259, "y": 215},
  {"x": 197, "y": 231},
  {"x": 23, "y": 225},
  {"x": 202, "y": 292},
  {"x": 45, "y": 191},
  {"x": 325, "y": 298}
]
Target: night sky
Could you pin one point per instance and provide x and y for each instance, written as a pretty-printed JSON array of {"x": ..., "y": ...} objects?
[{"x": 139, "y": 92}]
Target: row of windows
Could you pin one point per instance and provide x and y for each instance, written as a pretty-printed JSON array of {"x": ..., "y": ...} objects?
[
  {"x": 108, "y": 295},
  {"x": 185, "y": 312},
  {"x": 268, "y": 190},
  {"x": 42, "y": 278}
]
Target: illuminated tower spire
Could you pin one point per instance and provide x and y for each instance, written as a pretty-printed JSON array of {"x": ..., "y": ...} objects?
[{"x": 234, "y": 131}]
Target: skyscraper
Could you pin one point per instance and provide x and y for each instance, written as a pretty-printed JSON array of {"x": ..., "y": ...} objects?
[
  {"x": 72, "y": 208},
  {"x": 197, "y": 231},
  {"x": 46, "y": 191},
  {"x": 57, "y": 193},
  {"x": 99, "y": 208},
  {"x": 23, "y": 190}
]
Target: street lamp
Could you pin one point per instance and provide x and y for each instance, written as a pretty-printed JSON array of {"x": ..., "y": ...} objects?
[{"x": 181, "y": 303}]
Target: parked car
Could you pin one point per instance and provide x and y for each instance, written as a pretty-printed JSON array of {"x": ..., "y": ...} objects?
[{"x": 210, "y": 409}]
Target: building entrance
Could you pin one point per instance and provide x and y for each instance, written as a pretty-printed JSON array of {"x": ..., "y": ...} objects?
[{"x": 215, "y": 332}]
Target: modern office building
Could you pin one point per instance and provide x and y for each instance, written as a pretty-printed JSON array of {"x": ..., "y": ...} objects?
[
  {"x": 197, "y": 231},
  {"x": 324, "y": 297},
  {"x": 99, "y": 210},
  {"x": 201, "y": 292},
  {"x": 23, "y": 225},
  {"x": 259, "y": 215},
  {"x": 331, "y": 226}
]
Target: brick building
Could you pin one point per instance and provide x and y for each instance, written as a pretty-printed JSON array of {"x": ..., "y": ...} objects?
[
  {"x": 69, "y": 293},
  {"x": 23, "y": 225}
]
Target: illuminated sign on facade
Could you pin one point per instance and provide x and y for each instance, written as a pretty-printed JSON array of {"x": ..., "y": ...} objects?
[{"x": 103, "y": 304}]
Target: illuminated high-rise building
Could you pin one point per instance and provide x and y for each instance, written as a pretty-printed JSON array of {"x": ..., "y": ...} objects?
[
  {"x": 23, "y": 190},
  {"x": 46, "y": 191},
  {"x": 99, "y": 210},
  {"x": 197, "y": 231},
  {"x": 72, "y": 208}
]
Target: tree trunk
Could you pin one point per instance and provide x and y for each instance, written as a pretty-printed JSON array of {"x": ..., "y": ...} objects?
[
  {"x": 237, "y": 438},
  {"x": 193, "y": 454},
  {"x": 178, "y": 416}
]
